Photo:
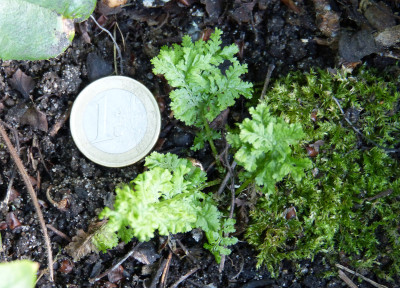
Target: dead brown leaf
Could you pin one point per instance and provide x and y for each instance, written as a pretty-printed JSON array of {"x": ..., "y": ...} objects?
[
  {"x": 84, "y": 33},
  {"x": 22, "y": 83},
  {"x": 242, "y": 12},
  {"x": 220, "y": 121},
  {"x": 81, "y": 244},
  {"x": 146, "y": 254},
  {"x": 12, "y": 221},
  {"x": 35, "y": 118},
  {"x": 116, "y": 274},
  {"x": 328, "y": 21},
  {"x": 213, "y": 7}
]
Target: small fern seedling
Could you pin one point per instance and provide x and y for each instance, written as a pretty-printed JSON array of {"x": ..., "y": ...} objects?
[
  {"x": 202, "y": 89},
  {"x": 264, "y": 149}
]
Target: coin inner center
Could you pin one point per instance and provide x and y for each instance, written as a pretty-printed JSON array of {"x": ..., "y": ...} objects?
[{"x": 115, "y": 121}]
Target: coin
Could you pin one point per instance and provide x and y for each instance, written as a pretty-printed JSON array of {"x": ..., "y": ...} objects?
[{"x": 115, "y": 121}]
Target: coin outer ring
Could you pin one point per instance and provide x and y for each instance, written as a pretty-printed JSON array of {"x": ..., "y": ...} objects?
[{"x": 112, "y": 159}]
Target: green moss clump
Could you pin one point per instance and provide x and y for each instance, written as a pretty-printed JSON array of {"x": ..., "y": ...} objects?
[{"x": 349, "y": 201}]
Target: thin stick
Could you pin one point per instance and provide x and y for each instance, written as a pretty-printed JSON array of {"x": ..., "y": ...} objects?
[
  {"x": 158, "y": 273},
  {"x": 32, "y": 194},
  {"x": 115, "y": 51},
  {"x": 115, "y": 43},
  {"x": 225, "y": 181},
  {"x": 58, "y": 232},
  {"x": 240, "y": 269},
  {"x": 166, "y": 270},
  {"x": 271, "y": 68},
  {"x": 184, "y": 277},
  {"x": 361, "y": 276},
  {"x": 346, "y": 279},
  {"x": 64, "y": 117},
  {"x": 187, "y": 253},
  {"x": 387, "y": 150},
  {"x": 4, "y": 204},
  {"x": 105, "y": 273},
  {"x": 233, "y": 194}
]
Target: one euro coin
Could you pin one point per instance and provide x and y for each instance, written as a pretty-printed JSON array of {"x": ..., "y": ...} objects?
[{"x": 115, "y": 121}]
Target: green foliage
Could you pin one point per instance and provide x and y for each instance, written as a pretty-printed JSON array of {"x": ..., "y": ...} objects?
[
  {"x": 349, "y": 202},
  {"x": 264, "y": 149},
  {"x": 203, "y": 90},
  {"x": 39, "y": 29},
  {"x": 166, "y": 198},
  {"x": 18, "y": 274},
  {"x": 217, "y": 243}
]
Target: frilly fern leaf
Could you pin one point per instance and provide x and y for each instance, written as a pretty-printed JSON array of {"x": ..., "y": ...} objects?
[{"x": 166, "y": 198}]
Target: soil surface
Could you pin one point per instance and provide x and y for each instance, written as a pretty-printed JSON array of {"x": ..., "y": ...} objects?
[{"x": 35, "y": 97}]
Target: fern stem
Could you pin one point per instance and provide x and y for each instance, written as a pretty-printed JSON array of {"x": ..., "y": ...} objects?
[
  {"x": 209, "y": 184},
  {"x": 244, "y": 185},
  {"x": 210, "y": 140}
]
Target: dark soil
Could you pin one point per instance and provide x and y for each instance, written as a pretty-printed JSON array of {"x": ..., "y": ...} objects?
[{"x": 267, "y": 32}]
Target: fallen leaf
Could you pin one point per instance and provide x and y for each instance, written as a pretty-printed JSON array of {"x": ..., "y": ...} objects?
[
  {"x": 146, "y": 254},
  {"x": 290, "y": 213},
  {"x": 35, "y": 118},
  {"x": 311, "y": 151},
  {"x": 22, "y": 83},
  {"x": 84, "y": 33},
  {"x": 66, "y": 266},
  {"x": 3, "y": 225},
  {"x": 12, "y": 221},
  {"x": 220, "y": 121},
  {"x": 328, "y": 21},
  {"x": 214, "y": 8},
  {"x": 317, "y": 144},
  {"x": 116, "y": 274},
  {"x": 314, "y": 115},
  {"x": 81, "y": 244},
  {"x": 242, "y": 13}
]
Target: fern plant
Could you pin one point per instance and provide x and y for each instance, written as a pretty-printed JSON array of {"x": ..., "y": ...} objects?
[
  {"x": 202, "y": 89},
  {"x": 348, "y": 203},
  {"x": 167, "y": 198},
  {"x": 264, "y": 149}
]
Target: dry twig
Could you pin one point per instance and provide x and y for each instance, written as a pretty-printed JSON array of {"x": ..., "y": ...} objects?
[
  {"x": 346, "y": 279},
  {"x": 158, "y": 273},
  {"x": 166, "y": 270},
  {"x": 271, "y": 68},
  {"x": 32, "y": 194},
  {"x": 361, "y": 276},
  {"x": 184, "y": 277},
  {"x": 105, "y": 273},
  {"x": 4, "y": 204},
  {"x": 233, "y": 194},
  {"x": 115, "y": 43},
  {"x": 387, "y": 150},
  {"x": 58, "y": 232},
  {"x": 60, "y": 122}
]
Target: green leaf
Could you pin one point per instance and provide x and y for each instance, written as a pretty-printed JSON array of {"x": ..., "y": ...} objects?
[
  {"x": 72, "y": 9},
  {"x": 202, "y": 90},
  {"x": 39, "y": 29},
  {"x": 264, "y": 148},
  {"x": 18, "y": 274},
  {"x": 166, "y": 198}
]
